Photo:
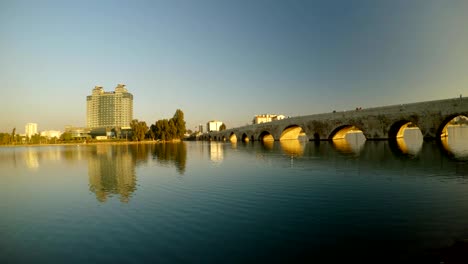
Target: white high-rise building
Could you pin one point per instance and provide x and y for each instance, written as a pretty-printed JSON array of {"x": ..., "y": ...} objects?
[
  {"x": 109, "y": 109},
  {"x": 213, "y": 125},
  {"x": 30, "y": 129}
]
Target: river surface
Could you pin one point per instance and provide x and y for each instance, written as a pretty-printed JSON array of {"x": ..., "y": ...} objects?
[{"x": 217, "y": 202}]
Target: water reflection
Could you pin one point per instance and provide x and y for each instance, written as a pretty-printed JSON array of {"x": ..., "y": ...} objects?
[
  {"x": 171, "y": 154},
  {"x": 353, "y": 142},
  {"x": 411, "y": 141},
  {"x": 111, "y": 170},
  {"x": 32, "y": 158},
  {"x": 216, "y": 151},
  {"x": 292, "y": 147},
  {"x": 268, "y": 145},
  {"x": 456, "y": 141}
]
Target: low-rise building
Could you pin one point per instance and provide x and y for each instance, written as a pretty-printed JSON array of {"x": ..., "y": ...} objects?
[
  {"x": 51, "y": 133},
  {"x": 78, "y": 132},
  {"x": 265, "y": 118}
]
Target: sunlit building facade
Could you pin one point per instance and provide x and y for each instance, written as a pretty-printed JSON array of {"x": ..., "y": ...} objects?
[
  {"x": 30, "y": 129},
  {"x": 258, "y": 119},
  {"x": 109, "y": 109},
  {"x": 213, "y": 125}
]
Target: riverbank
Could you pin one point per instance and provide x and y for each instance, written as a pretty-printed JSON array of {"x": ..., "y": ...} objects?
[{"x": 95, "y": 143}]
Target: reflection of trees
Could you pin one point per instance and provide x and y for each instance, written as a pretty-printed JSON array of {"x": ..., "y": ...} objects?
[
  {"x": 111, "y": 170},
  {"x": 140, "y": 152},
  {"x": 169, "y": 153}
]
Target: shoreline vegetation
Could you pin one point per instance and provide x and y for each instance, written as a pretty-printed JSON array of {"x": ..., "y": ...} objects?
[
  {"x": 100, "y": 142},
  {"x": 162, "y": 131}
]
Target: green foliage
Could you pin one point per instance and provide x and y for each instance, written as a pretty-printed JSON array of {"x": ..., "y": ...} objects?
[
  {"x": 66, "y": 137},
  {"x": 139, "y": 129},
  {"x": 222, "y": 127},
  {"x": 35, "y": 139},
  {"x": 173, "y": 128},
  {"x": 5, "y": 138},
  {"x": 179, "y": 124}
]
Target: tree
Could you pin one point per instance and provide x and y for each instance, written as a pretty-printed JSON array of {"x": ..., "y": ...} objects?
[
  {"x": 179, "y": 124},
  {"x": 222, "y": 127},
  {"x": 173, "y": 128},
  {"x": 150, "y": 133},
  {"x": 139, "y": 129},
  {"x": 13, "y": 132},
  {"x": 66, "y": 136}
]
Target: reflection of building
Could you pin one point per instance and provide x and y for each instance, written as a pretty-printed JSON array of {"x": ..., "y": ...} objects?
[
  {"x": 258, "y": 119},
  {"x": 112, "y": 171},
  {"x": 216, "y": 151},
  {"x": 109, "y": 109},
  {"x": 30, "y": 129},
  {"x": 213, "y": 125},
  {"x": 32, "y": 158}
]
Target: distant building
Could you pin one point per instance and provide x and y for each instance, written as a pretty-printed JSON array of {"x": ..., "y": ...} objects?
[
  {"x": 30, "y": 129},
  {"x": 258, "y": 119},
  {"x": 200, "y": 128},
  {"x": 109, "y": 109},
  {"x": 213, "y": 125},
  {"x": 78, "y": 132},
  {"x": 51, "y": 133}
]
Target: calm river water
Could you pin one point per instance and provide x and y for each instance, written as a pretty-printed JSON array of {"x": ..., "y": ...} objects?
[{"x": 214, "y": 202}]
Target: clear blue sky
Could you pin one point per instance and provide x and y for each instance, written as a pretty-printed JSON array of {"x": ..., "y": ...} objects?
[{"x": 227, "y": 60}]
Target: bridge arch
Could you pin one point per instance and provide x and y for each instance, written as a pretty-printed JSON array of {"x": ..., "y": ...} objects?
[
  {"x": 245, "y": 138},
  {"x": 233, "y": 137},
  {"x": 442, "y": 129},
  {"x": 266, "y": 136},
  {"x": 291, "y": 132},
  {"x": 341, "y": 131},
  {"x": 398, "y": 128},
  {"x": 224, "y": 138}
]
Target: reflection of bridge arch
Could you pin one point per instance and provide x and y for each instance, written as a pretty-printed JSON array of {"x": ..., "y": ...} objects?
[
  {"x": 292, "y": 147},
  {"x": 291, "y": 132},
  {"x": 266, "y": 136},
  {"x": 341, "y": 131}
]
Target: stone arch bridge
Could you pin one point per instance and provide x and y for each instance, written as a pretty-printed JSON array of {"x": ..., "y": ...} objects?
[{"x": 376, "y": 123}]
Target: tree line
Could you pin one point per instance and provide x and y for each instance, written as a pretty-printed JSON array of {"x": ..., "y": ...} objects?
[{"x": 165, "y": 129}]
